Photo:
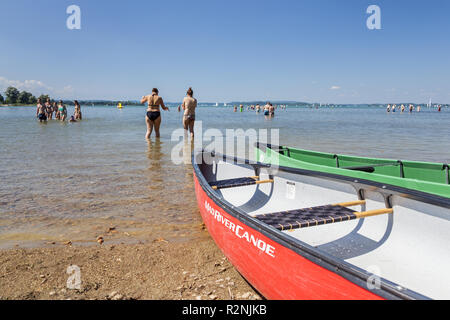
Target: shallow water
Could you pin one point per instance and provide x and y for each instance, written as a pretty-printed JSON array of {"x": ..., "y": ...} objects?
[{"x": 72, "y": 181}]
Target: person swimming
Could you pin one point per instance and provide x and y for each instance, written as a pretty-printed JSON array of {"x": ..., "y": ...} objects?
[
  {"x": 72, "y": 119},
  {"x": 189, "y": 105},
  {"x": 153, "y": 116},
  {"x": 388, "y": 109},
  {"x": 257, "y": 108},
  {"x": 41, "y": 111}
]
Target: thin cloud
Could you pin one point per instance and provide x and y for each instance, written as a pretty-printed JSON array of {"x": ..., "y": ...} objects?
[
  {"x": 24, "y": 85},
  {"x": 34, "y": 86},
  {"x": 335, "y": 88}
]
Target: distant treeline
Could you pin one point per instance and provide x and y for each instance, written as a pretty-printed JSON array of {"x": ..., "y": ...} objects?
[
  {"x": 15, "y": 97},
  {"x": 12, "y": 96}
]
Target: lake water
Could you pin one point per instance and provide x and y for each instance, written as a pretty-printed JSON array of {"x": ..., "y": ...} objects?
[{"x": 72, "y": 181}]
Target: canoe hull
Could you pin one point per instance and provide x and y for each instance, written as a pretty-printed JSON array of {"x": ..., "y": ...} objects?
[{"x": 272, "y": 268}]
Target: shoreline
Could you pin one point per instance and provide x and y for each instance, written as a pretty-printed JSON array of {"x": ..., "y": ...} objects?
[{"x": 158, "y": 270}]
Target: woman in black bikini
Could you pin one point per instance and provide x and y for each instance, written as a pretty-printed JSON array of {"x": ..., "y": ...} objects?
[{"x": 153, "y": 117}]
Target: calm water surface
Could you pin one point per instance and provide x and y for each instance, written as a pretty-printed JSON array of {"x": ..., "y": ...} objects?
[{"x": 72, "y": 181}]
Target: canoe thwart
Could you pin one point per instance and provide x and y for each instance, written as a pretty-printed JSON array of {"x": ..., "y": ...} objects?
[
  {"x": 376, "y": 212},
  {"x": 237, "y": 182},
  {"x": 315, "y": 216},
  {"x": 351, "y": 203}
]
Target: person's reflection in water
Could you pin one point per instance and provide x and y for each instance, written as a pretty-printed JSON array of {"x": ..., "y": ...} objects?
[
  {"x": 155, "y": 155},
  {"x": 188, "y": 147}
]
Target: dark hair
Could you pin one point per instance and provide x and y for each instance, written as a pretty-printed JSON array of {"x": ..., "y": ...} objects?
[
  {"x": 190, "y": 92},
  {"x": 60, "y": 102},
  {"x": 155, "y": 90},
  {"x": 76, "y": 102}
]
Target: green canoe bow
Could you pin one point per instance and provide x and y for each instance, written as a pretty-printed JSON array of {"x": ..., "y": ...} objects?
[{"x": 433, "y": 178}]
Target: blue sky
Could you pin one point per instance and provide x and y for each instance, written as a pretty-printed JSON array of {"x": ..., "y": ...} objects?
[{"x": 304, "y": 50}]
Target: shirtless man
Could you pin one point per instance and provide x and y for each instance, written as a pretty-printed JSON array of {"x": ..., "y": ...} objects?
[
  {"x": 266, "y": 109},
  {"x": 153, "y": 117},
  {"x": 189, "y": 105},
  {"x": 271, "y": 110},
  {"x": 41, "y": 111}
]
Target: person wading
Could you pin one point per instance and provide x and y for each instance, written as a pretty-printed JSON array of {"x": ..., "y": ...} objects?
[
  {"x": 189, "y": 105},
  {"x": 153, "y": 117}
]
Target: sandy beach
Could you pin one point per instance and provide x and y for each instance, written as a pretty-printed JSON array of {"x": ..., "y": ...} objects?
[{"x": 155, "y": 270}]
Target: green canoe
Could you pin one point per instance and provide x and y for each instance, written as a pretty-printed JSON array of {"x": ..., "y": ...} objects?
[{"x": 427, "y": 177}]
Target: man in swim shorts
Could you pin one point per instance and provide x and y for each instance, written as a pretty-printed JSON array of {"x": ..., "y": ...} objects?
[{"x": 41, "y": 111}]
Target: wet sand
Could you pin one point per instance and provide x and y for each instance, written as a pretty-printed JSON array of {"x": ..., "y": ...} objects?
[{"x": 160, "y": 269}]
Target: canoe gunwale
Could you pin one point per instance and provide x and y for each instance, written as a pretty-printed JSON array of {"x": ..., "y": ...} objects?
[
  {"x": 401, "y": 163},
  {"x": 388, "y": 289}
]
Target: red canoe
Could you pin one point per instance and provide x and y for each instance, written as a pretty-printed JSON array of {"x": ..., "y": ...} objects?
[{"x": 292, "y": 235}]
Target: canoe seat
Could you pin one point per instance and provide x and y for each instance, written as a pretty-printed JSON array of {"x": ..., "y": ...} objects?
[
  {"x": 237, "y": 182},
  {"x": 314, "y": 216}
]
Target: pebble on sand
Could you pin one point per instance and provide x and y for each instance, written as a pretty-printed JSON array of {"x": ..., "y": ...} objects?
[{"x": 100, "y": 240}]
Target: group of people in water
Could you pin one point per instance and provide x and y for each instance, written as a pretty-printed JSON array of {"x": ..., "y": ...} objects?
[
  {"x": 155, "y": 102},
  {"x": 402, "y": 108},
  {"x": 153, "y": 116},
  {"x": 268, "y": 109},
  {"x": 45, "y": 111}
]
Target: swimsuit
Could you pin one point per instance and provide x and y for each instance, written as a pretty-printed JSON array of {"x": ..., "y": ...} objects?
[
  {"x": 153, "y": 115},
  {"x": 189, "y": 116}
]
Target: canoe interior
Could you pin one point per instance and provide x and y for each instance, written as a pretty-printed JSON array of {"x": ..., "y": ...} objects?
[
  {"x": 427, "y": 171},
  {"x": 428, "y": 177},
  {"x": 409, "y": 247}
]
